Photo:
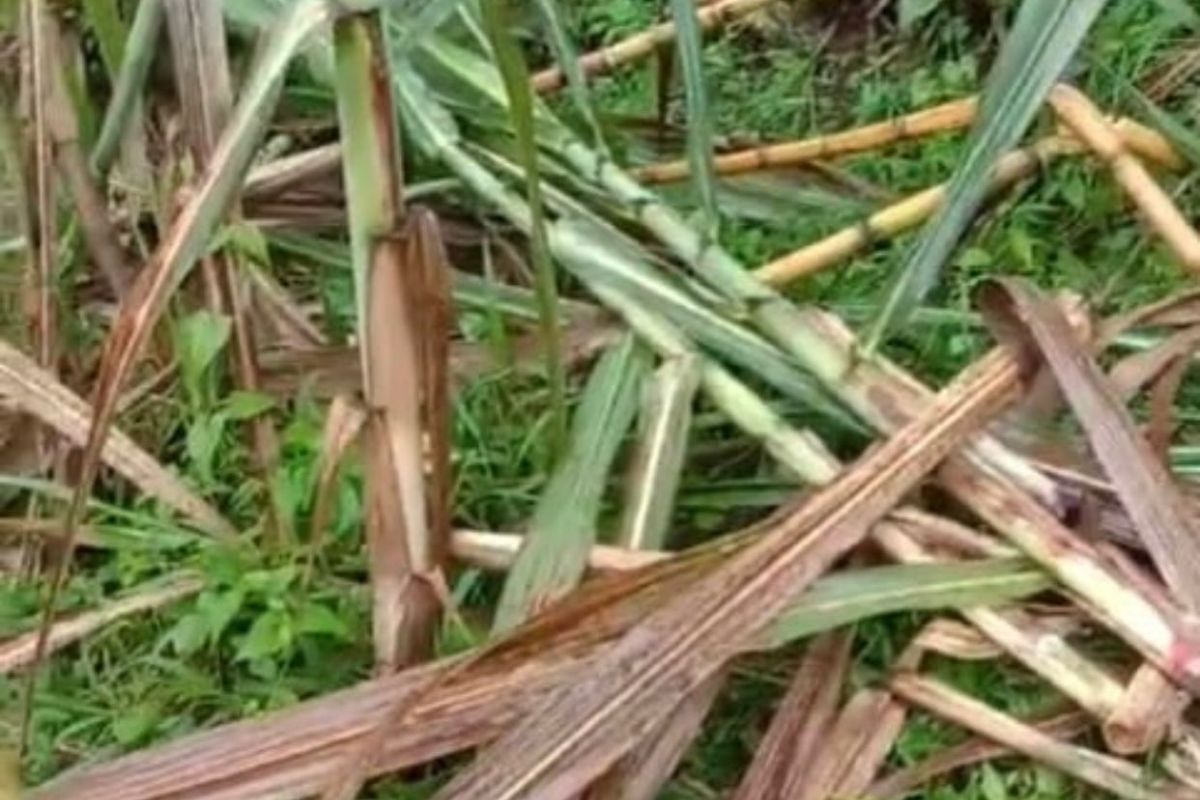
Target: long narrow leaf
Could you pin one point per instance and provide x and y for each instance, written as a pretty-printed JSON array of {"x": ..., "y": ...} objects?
[
  {"x": 563, "y": 529},
  {"x": 699, "y": 120},
  {"x": 846, "y": 597},
  {"x": 1038, "y": 48},
  {"x": 104, "y": 18},
  {"x": 568, "y": 61},
  {"x": 138, "y": 54},
  {"x": 515, "y": 73}
]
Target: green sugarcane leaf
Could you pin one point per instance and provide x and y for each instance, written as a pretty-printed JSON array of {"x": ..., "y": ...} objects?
[
  {"x": 567, "y": 56},
  {"x": 554, "y": 554},
  {"x": 515, "y": 74},
  {"x": 1044, "y": 37},
  {"x": 846, "y": 597},
  {"x": 137, "y": 54},
  {"x": 699, "y": 120}
]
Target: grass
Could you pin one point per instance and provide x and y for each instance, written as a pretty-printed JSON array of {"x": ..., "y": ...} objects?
[{"x": 261, "y": 636}]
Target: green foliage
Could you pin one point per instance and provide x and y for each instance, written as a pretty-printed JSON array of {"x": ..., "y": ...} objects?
[
  {"x": 699, "y": 121},
  {"x": 260, "y": 636},
  {"x": 515, "y": 73},
  {"x": 1035, "y": 53}
]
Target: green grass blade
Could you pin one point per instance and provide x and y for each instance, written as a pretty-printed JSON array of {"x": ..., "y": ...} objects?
[
  {"x": 563, "y": 529},
  {"x": 104, "y": 18},
  {"x": 845, "y": 597},
  {"x": 1181, "y": 11},
  {"x": 515, "y": 73},
  {"x": 699, "y": 120},
  {"x": 666, "y": 417},
  {"x": 567, "y": 56},
  {"x": 138, "y": 54},
  {"x": 1043, "y": 39}
]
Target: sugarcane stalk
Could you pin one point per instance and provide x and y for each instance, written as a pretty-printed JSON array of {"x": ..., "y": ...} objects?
[
  {"x": 903, "y": 782},
  {"x": 918, "y": 208},
  {"x": 1043, "y": 651},
  {"x": 389, "y": 272},
  {"x": 643, "y": 44},
  {"x": 1088, "y": 123},
  {"x": 904, "y": 215},
  {"x": 1122, "y": 778},
  {"x": 955, "y": 115}
]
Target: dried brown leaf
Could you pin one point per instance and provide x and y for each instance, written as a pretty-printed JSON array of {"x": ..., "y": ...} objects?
[
  {"x": 855, "y": 747},
  {"x": 581, "y": 731},
  {"x": 1134, "y": 372},
  {"x": 1146, "y": 489},
  {"x": 36, "y": 392},
  {"x": 1163, "y": 392},
  {"x": 641, "y": 774},
  {"x": 800, "y": 725},
  {"x": 20, "y": 651}
]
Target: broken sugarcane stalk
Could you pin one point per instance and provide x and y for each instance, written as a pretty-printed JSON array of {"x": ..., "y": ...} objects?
[
  {"x": 974, "y": 751},
  {"x": 915, "y": 209},
  {"x": 903, "y": 216},
  {"x": 400, "y": 289},
  {"x": 951, "y": 116},
  {"x": 643, "y": 44},
  {"x": 1122, "y": 778},
  {"x": 1089, "y": 125}
]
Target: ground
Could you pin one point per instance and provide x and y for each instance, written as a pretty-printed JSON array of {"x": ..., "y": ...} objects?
[{"x": 270, "y": 630}]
